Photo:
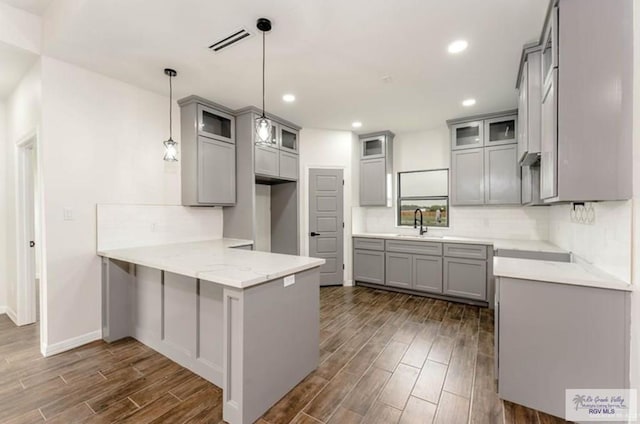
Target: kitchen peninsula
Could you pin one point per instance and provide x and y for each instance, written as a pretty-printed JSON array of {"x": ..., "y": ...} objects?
[{"x": 247, "y": 321}]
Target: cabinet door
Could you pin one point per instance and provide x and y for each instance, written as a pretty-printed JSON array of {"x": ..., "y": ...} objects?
[
  {"x": 288, "y": 165},
  {"x": 368, "y": 266},
  {"x": 267, "y": 161},
  {"x": 398, "y": 270},
  {"x": 216, "y": 125},
  {"x": 501, "y": 130},
  {"x": 373, "y": 147},
  {"x": 467, "y": 136},
  {"x": 502, "y": 175},
  {"x": 373, "y": 182},
  {"x": 549, "y": 140},
  {"x": 288, "y": 139},
  {"x": 523, "y": 146},
  {"x": 465, "y": 278},
  {"x": 527, "y": 195},
  {"x": 467, "y": 177},
  {"x": 216, "y": 172},
  {"x": 427, "y": 273}
]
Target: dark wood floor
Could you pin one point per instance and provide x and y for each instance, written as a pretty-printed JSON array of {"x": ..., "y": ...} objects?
[{"x": 385, "y": 358}]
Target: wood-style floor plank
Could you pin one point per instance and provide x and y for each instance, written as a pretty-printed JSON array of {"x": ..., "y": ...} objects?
[{"x": 385, "y": 358}]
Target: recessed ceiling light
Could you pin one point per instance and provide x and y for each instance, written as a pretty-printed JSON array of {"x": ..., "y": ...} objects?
[
  {"x": 289, "y": 98},
  {"x": 356, "y": 124},
  {"x": 457, "y": 46},
  {"x": 468, "y": 102}
]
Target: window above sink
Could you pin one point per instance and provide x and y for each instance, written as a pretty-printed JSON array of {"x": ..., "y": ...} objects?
[{"x": 427, "y": 190}]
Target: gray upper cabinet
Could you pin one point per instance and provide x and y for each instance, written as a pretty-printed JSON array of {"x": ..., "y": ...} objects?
[
  {"x": 500, "y": 130},
  {"x": 288, "y": 139},
  {"x": 427, "y": 273},
  {"x": 398, "y": 270},
  {"x": 489, "y": 173},
  {"x": 216, "y": 172},
  {"x": 529, "y": 100},
  {"x": 465, "y": 278},
  {"x": 502, "y": 175},
  {"x": 288, "y": 165},
  {"x": 267, "y": 161},
  {"x": 467, "y": 177},
  {"x": 587, "y": 140},
  {"x": 376, "y": 154},
  {"x": 208, "y": 153},
  {"x": 467, "y": 135}
]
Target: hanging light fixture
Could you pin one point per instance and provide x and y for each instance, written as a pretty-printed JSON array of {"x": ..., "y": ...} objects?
[
  {"x": 170, "y": 146},
  {"x": 263, "y": 124}
]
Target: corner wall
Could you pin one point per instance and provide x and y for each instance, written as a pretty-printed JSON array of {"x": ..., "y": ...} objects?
[{"x": 4, "y": 265}]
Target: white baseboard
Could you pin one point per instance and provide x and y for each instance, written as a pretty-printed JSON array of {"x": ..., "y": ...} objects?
[
  {"x": 12, "y": 315},
  {"x": 3, "y": 310},
  {"x": 72, "y": 343},
  {"x": 348, "y": 283}
]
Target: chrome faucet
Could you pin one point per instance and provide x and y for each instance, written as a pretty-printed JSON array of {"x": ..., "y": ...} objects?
[{"x": 415, "y": 221}]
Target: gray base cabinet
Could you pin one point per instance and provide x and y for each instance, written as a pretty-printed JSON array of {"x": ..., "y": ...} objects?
[
  {"x": 368, "y": 266},
  {"x": 465, "y": 278},
  {"x": 399, "y": 270},
  {"x": 446, "y": 270}
]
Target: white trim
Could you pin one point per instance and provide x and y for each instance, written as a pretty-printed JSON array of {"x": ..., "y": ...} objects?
[
  {"x": 72, "y": 343},
  {"x": 12, "y": 315},
  {"x": 348, "y": 283}
]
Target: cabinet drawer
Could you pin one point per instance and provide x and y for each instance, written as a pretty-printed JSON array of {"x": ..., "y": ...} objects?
[
  {"x": 368, "y": 243},
  {"x": 419, "y": 247},
  {"x": 470, "y": 251},
  {"x": 368, "y": 266}
]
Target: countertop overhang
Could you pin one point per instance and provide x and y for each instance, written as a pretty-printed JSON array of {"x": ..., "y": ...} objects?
[{"x": 218, "y": 261}]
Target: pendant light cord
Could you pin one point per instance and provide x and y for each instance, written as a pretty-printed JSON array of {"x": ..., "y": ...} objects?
[
  {"x": 170, "y": 108},
  {"x": 263, "y": 67}
]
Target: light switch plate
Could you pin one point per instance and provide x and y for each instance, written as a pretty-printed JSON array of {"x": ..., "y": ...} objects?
[
  {"x": 68, "y": 214},
  {"x": 289, "y": 280}
]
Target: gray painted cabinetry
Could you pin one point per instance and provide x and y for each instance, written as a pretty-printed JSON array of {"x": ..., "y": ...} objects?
[
  {"x": 376, "y": 164},
  {"x": 453, "y": 271},
  {"x": 484, "y": 160},
  {"x": 208, "y": 153},
  {"x": 529, "y": 99}
]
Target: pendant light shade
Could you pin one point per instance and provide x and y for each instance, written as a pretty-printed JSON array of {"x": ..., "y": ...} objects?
[
  {"x": 263, "y": 124},
  {"x": 170, "y": 146}
]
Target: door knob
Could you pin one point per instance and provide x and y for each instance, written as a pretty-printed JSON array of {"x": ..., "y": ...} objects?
[
  {"x": 32, "y": 244},
  {"x": 313, "y": 234}
]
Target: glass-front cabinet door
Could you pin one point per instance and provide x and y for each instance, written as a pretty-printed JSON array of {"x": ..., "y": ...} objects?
[
  {"x": 372, "y": 147},
  {"x": 468, "y": 135},
  {"x": 550, "y": 46},
  {"x": 275, "y": 134},
  {"x": 288, "y": 139},
  {"x": 500, "y": 130},
  {"x": 215, "y": 124}
]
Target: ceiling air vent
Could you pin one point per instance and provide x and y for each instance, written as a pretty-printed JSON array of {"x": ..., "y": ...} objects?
[{"x": 230, "y": 40}]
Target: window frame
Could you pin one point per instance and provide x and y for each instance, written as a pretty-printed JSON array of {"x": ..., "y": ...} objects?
[{"x": 399, "y": 198}]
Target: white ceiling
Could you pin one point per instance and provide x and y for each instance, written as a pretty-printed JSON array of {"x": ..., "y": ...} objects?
[
  {"x": 14, "y": 62},
  {"x": 37, "y": 7},
  {"x": 332, "y": 54}
]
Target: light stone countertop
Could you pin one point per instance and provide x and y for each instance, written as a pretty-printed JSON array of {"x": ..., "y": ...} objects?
[
  {"x": 216, "y": 261},
  {"x": 526, "y": 245},
  {"x": 571, "y": 273}
]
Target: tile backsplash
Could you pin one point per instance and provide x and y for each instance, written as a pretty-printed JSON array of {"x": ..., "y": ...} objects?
[{"x": 491, "y": 222}]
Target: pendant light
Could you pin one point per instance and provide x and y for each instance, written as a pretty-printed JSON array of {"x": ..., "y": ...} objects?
[
  {"x": 170, "y": 146},
  {"x": 263, "y": 124}
]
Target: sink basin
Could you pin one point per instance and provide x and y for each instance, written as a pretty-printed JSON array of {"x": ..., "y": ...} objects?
[{"x": 417, "y": 236}]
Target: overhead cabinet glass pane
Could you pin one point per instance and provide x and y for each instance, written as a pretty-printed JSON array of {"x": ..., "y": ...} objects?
[
  {"x": 373, "y": 147},
  {"x": 215, "y": 124},
  {"x": 467, "y": 135},
  {"x": 502, "y": 131},
  {"x": 424, "y": 183},
  {"x": 289, "y": 140}
]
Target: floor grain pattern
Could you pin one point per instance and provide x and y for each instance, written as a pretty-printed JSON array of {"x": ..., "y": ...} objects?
[{"x": 385, "y": 358}]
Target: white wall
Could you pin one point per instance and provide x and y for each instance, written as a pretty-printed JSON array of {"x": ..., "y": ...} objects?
[
  {"x": 606, "y": 243},
  {"x": 326, "y": 149},
  {"x": 23, "y": 115},
  {"x": 102, "y": 144},
  {"x": 20, "y": 29},
  {"x": 430, "y": 150},
  {"x": 4, "y": 149}
]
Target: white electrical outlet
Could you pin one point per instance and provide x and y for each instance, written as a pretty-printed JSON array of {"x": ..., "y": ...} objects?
[
  {"x": 289, "y": 280},
  {"x": 67, "y": 213}
]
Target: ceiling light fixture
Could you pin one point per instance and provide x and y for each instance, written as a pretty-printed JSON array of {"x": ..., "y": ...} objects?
[
  {"x": 468, "y": 102},
  {"x": 457, "y": 46},
  {"x": 170, "y": 146},
  {"x": 289, "y": 98},
  {"x": 356, "y": 124},
  {"x": 263, "y": 124}
]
